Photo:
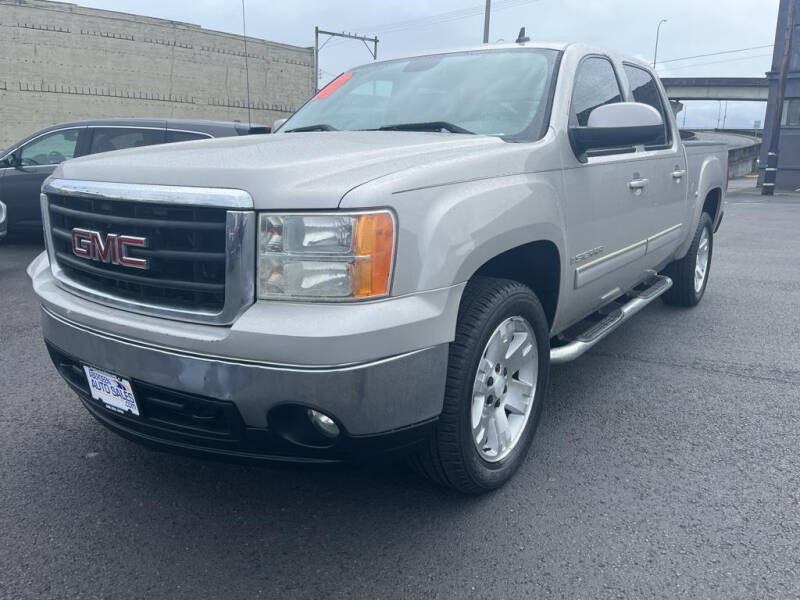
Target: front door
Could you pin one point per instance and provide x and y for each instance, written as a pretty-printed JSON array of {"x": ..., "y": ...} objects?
[
  {"x": 607, "y": 203},
  {"x": 21, "y": 185}
]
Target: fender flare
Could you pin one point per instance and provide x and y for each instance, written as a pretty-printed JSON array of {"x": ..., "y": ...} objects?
[{"x": 713, "y": 175}]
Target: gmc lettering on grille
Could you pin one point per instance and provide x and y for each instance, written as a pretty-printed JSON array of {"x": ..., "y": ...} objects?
[{"x": 111, "y": 248}]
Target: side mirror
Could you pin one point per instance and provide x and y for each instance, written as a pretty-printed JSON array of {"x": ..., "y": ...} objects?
[
  {"x": 277, "y": 124},
  {"x": 12, "y": 160},
  {"x": 617, "y": 125}
]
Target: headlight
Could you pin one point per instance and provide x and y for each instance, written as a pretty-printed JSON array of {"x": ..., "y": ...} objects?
[{"x": 325, "y": 257}]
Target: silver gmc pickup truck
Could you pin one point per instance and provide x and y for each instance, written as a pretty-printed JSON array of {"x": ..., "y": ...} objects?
[{"x": 393, "y": 271}]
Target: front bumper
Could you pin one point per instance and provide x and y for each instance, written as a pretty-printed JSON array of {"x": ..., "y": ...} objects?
[
  {"x": 236, "y": 410},
  {"x": 378, "y": 369}
]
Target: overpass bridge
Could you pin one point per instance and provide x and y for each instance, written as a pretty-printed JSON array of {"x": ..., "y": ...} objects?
[{"x": 748, "y": 89}]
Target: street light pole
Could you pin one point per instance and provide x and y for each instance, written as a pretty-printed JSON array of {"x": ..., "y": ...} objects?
[{"x": 655, "y": 52}]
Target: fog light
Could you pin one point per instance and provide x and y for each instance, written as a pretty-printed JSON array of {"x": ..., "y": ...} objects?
[{"x": 324, "y": 424}]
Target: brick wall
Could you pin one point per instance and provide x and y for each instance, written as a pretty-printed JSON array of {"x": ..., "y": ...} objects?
[{"x": 62, "y": 62}]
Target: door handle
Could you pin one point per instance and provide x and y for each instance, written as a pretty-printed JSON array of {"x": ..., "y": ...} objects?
[
  {"x": 678, "y": 173},
  {"x": 638, "y": 184}
]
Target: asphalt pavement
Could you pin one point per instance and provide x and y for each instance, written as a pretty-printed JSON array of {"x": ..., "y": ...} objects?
[{"x": 667, "y": 465}]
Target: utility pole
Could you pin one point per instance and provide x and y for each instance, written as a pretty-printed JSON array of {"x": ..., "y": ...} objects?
[
  {"x": 486, "y": 17},
  {"x": 316, "y": 59},
  {"x": 771, "y": 171},
  {"x": 332, "y": 34},
  {"x": 655, "y": 52},
  {"x": 246, "y": 68}
]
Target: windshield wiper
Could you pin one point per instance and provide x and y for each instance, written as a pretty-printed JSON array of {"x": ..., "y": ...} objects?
[
  {"x": 318, "y": 127},
  {"x": 426, "y": 126}
]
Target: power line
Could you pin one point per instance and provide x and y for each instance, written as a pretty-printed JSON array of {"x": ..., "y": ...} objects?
[
  {"x": 717, "y": 62},
  {"x": 446, "y": 17},
  {"x": 440, "y": 18},
  {"x": 716, "y": 53}
]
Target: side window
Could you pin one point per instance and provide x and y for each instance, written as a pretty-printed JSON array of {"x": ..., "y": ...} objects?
[
  {"x": 106, "y": 139},
  {"x": 645, "y": 90},
  {"x": 50, "y": 149},
  {"x": 184, "y": 136},
  {"x": 595, "y": 84},
  {"x": 791, "y": 112}
]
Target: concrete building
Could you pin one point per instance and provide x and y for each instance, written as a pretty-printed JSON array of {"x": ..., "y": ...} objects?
[
  {"x": 788, "y": 176},
  {"x": 61, "y": 62}
]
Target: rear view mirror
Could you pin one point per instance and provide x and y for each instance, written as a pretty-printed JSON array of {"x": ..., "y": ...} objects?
[{"x": 617, "y": 125}]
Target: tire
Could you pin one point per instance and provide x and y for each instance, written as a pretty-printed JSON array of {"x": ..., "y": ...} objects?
[
  {"x": 684, "y": 291},
  {"x": 451, "y": 456}
]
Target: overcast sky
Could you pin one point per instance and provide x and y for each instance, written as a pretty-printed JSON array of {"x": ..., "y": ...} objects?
[{"x": 407, "y": 26}]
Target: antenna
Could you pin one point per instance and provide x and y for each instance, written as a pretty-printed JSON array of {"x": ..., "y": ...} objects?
[
  {"x": 246, "y": 69},
  {"x": 521, "y": 38}
]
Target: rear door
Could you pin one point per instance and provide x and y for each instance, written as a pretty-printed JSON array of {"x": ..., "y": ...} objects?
[
  {"x": 606, "y": 204},
  {"x": 39, "y": 157},
  {"x": 666, "y": 167}
]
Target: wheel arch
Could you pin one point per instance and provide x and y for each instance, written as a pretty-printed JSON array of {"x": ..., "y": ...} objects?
[
  {"x": 713, "y": 204},
  {"x": 535, "y": 264}
]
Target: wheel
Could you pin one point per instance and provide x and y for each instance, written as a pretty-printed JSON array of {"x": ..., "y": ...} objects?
[
  {"x": 497, "y": 377},
  {"x": 690, "y": 274}
]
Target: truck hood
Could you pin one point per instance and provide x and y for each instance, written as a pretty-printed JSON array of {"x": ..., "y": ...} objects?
[{"x": 293, "y": 170}]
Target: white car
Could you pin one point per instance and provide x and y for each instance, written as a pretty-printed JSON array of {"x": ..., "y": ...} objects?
[{"x": 3, "y": 220}]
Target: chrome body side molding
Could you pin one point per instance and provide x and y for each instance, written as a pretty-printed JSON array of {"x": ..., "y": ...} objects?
[
  {"x": 611, "y": 262},
  {"x": 606, "y": 264},
  {"x": 662, "y": 238}
]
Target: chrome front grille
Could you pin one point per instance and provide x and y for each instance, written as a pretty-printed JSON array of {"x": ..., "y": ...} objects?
[{"x": 199, "y": 253}]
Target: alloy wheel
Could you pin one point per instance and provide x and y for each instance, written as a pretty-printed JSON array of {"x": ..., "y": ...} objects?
[{"x": 504, "y": 388}]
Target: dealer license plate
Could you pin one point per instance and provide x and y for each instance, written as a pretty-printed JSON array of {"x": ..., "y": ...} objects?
[{"x": 115, "y": 392}]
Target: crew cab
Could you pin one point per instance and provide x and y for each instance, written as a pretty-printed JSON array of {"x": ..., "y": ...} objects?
[{"x": 395, "y": 270}]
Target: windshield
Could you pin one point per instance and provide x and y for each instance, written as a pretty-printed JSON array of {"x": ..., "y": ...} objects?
[{"x": 487, "y": 92}]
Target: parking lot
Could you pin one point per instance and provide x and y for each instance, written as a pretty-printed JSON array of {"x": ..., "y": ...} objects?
[{"x": 666, "y": 465}]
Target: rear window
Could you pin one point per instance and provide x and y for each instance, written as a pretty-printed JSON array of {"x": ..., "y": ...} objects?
[{"x": 645, "y": 90}]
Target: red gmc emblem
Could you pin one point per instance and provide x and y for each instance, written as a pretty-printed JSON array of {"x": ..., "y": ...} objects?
[{"x": 112, "y": 248}]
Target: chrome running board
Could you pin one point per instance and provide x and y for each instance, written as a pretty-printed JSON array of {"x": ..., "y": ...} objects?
[{"x": 637, "y": 300}]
